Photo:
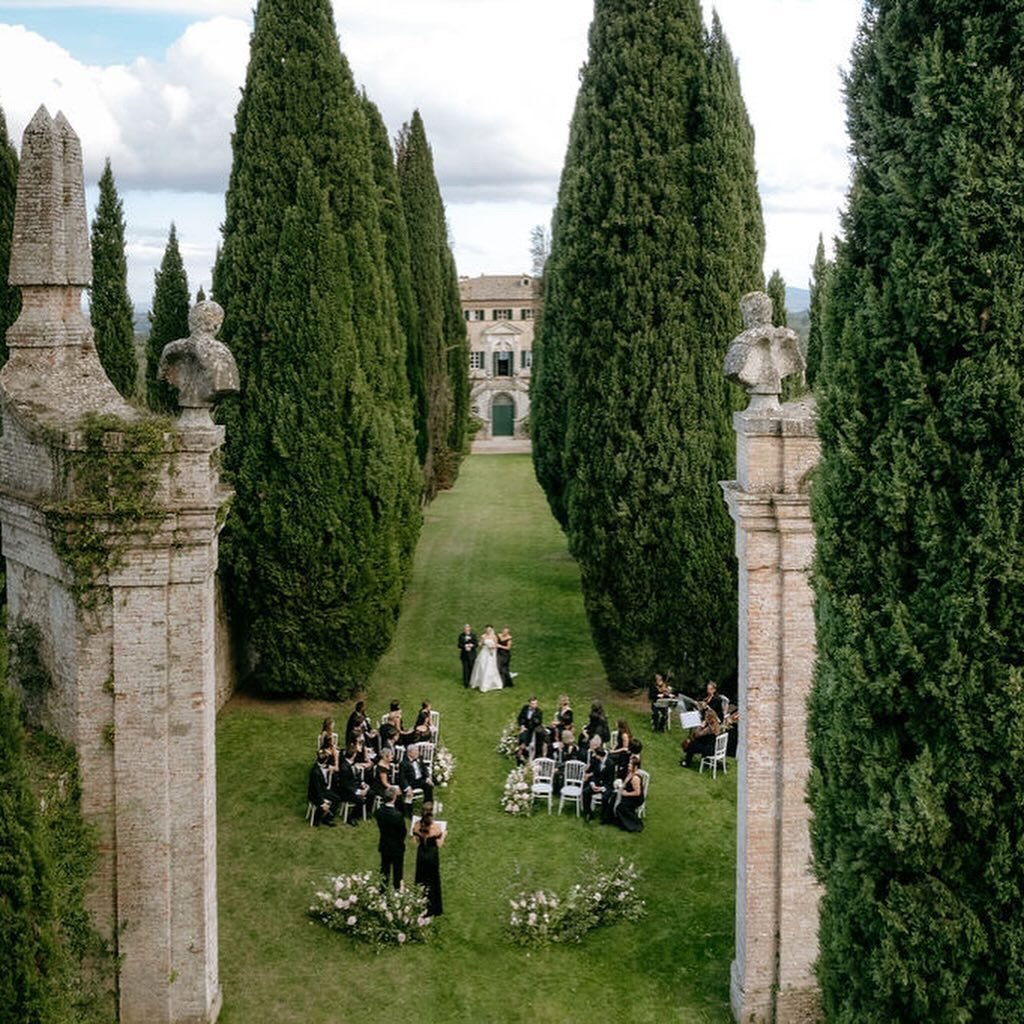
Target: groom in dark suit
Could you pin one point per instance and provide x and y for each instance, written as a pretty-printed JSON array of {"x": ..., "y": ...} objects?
[
  {"x": 391, "y": 824},
  {"x": 467, "y": 644}
]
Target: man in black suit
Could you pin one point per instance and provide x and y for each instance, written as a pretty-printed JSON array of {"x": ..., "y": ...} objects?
[
  {"x": 597, "y": 779},
  {"x": 318, "y": 791},
  {"x": 391, "y": 824},
  {"x": 414, "y": 774},
  {"x": 350, "y": 787},
  {"x": 467, "y": 644}
]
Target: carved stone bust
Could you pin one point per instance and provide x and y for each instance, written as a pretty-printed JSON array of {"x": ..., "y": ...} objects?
[
  {"x": 762, "y": 356},
  {"x": 199, "y": 366}
]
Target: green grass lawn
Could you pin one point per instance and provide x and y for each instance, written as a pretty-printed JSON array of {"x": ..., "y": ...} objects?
[{"x": 489, "y": 552}]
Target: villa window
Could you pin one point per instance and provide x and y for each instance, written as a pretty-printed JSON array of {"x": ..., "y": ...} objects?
[
  {"x": 476, "y": 360},
  {"x": 503, "y": 314},
  {"x": 525, "y": 359},
  {"x": 479, "y": 314},
  {"x": 526, "y": 314},
  {"x": 503, "y": 364}
]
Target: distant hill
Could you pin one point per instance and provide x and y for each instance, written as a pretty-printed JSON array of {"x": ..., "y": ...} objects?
[
  {"x": 797, "y": 299},
  {"x": 142, "y": 320}
]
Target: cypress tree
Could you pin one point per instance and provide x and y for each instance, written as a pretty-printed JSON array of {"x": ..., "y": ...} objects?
[
  {"x": 821, "y": 274},
  {"x": 110, "y": 307},
  {"x": 10, "y": 298},
  {"x": 656, "y": 234},
  {"x": 777, "y": 293},
  {"x": 432, "y": 286},
  {"x": 457, "y": 346},
  {"x": 29, "y": 953},
  {"x": 168, "y": 321},
  {"x": 320, "y": 442},
  {"x": 915, "y": 714}
]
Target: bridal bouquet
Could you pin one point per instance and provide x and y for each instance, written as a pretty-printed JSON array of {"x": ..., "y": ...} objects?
[
  {"x": 517, "y": 798},
  {"x": 383, "y": 916},
  {"x": 508, "y": 743},
  {"x": 442, "y": 767}
]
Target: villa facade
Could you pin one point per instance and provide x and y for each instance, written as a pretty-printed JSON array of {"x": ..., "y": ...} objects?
[{"x": 499, "y": 311}]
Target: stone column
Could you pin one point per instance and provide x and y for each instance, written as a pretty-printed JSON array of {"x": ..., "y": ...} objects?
[
  {"x": 129, "y": 647},
  {"x": 772, "y": 977}
]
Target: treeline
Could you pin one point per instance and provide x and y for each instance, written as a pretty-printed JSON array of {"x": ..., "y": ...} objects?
[
  {"x": 342, "y": 311},
  {"x": 656, "y": 235}
]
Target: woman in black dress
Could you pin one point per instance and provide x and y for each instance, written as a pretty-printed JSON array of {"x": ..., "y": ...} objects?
[
  {"x": 631, "y": 796},
  {"x": 429, "y": 839}
]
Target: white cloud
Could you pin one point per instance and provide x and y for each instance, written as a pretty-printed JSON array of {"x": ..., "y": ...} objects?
[
  {"x": 495, "y": 85},
  {"x": 204, "y": 8}
]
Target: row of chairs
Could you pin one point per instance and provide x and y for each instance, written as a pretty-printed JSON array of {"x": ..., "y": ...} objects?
[
  {"x": 543, "y": 785},
  {"x": 435, "y": 724}
]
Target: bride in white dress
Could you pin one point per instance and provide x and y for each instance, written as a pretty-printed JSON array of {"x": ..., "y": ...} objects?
[{"x": 485, "y": 669}]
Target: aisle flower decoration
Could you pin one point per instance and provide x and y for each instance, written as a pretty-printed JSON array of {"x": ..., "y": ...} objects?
[
  {"x": 358, "y": 905},
  {"x": 508, "y": 743},
  {"x": 442, "y": 767},
  {"x": 603, "y": 897},
  {"x": 517, "y": 798}
]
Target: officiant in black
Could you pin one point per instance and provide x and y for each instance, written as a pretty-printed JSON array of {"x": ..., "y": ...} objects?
[
  {"x": 504, "y": 653},
  {"x": 467, "y": 644}
]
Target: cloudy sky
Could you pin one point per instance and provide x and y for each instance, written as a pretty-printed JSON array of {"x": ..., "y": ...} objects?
[{"x": 153, "y": 84}]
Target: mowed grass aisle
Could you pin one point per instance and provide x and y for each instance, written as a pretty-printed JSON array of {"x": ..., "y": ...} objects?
[{"x": 489, "y": 552}]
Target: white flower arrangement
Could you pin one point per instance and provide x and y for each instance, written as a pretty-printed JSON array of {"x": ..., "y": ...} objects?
[
  {"x": 371, "y": 912},
  {"x": 517, "y": 798},
  {"x": 604, "y": 897},
  {"x": 443, "y": 767},
  {"x": 508, "y": 742}
]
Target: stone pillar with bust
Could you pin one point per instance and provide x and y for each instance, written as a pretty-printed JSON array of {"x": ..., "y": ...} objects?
[
  {"x": 772, "y": 978},
  {"x": 121, "y": 589}
]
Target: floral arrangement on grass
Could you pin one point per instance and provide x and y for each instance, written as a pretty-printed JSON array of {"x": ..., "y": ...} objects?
[
  {"x": 517, "y": 798},
  {"x": 508, "y": 742},
  {"x": 359, "y": 905},
  {"x": 442, "y": 767},
  {"x": 604, "y": 897}
]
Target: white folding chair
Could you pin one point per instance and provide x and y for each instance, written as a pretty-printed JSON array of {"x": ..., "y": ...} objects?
[
  {"x": 718, "y": 757},
  {"x": 435, "y": 725},
  {"x": 572, "y": 785},
  {"x": 543, "y": 786},
  {"x": 426, "y": 753},
  {"x": 645, "y": 781}
]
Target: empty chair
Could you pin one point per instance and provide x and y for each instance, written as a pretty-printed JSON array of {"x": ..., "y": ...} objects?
[
  {"x": 435, "y": 725},
  {"x": 426, "y": 753},
  {"x": 718, "y": 757},
  {"x": 572, "y": 785},
  {"x": 543, "y": 785}
]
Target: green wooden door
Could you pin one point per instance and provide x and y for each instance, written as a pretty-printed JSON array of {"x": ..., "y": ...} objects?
[{"x": 503, "y": 416}]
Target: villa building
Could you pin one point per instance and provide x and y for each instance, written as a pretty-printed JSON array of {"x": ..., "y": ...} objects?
[{"x": 499, "y": 311}]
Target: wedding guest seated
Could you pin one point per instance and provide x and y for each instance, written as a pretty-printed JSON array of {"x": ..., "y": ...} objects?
[
  {"x": 567, "y": 751},
  {"x": 349, "y": 786},
  {"x": 597, "y": 724},
  {"x": 380, "y": 778},
  {"x": 421, "y": 730},
  {"x": 356, "y": 720},
  {"x": 362, "y": 755},
  {"x": 620, "y": 749},
  {"x": 327, "y": 733},
  {"x": 530, "y": 719},
  {"x": 597, "y": 778},
  {"x": 414, "y": 774},
  {"x": 403, "y": 736},
  {"x": 319, "y": 793},
  {"x": 562, "y": 720},
  {"x": 333, "y": 754},
  {"x": 630, "y": 799}
]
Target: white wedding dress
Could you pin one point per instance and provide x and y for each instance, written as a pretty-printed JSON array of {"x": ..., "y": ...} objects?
[{"x": 485, "y": 669}]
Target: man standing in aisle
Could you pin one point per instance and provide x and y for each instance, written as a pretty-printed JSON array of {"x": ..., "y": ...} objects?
[{"x": 467, "y": 644}]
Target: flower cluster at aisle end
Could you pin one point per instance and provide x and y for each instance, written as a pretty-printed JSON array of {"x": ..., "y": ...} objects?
[
  {"x": 358, "y": 905},
  {"x": 517, "y": 798}
]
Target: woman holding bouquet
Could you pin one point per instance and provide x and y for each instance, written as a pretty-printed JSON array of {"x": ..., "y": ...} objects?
[{"x": 429, "y": 839}]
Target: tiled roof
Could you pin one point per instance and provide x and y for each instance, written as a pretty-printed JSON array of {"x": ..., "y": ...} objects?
[{"x": 498, "y": 288}]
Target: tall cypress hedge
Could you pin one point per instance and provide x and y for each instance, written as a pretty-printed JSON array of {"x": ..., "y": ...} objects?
[
  {"x": 656, "y": 234},
  {"x": 320, "y": 443},
  {"x": 915, "y": 718},
  {"x": 435, "y": 289},
  {"x": 168, "y": 321},
  {"x": 110, "y": 307},
  {"x": 821, "y": 276},
  {"x": 10, "y": 298}
]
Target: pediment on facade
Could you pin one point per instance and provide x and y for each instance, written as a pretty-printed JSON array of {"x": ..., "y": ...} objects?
[{"x": 502, "y": 328}]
